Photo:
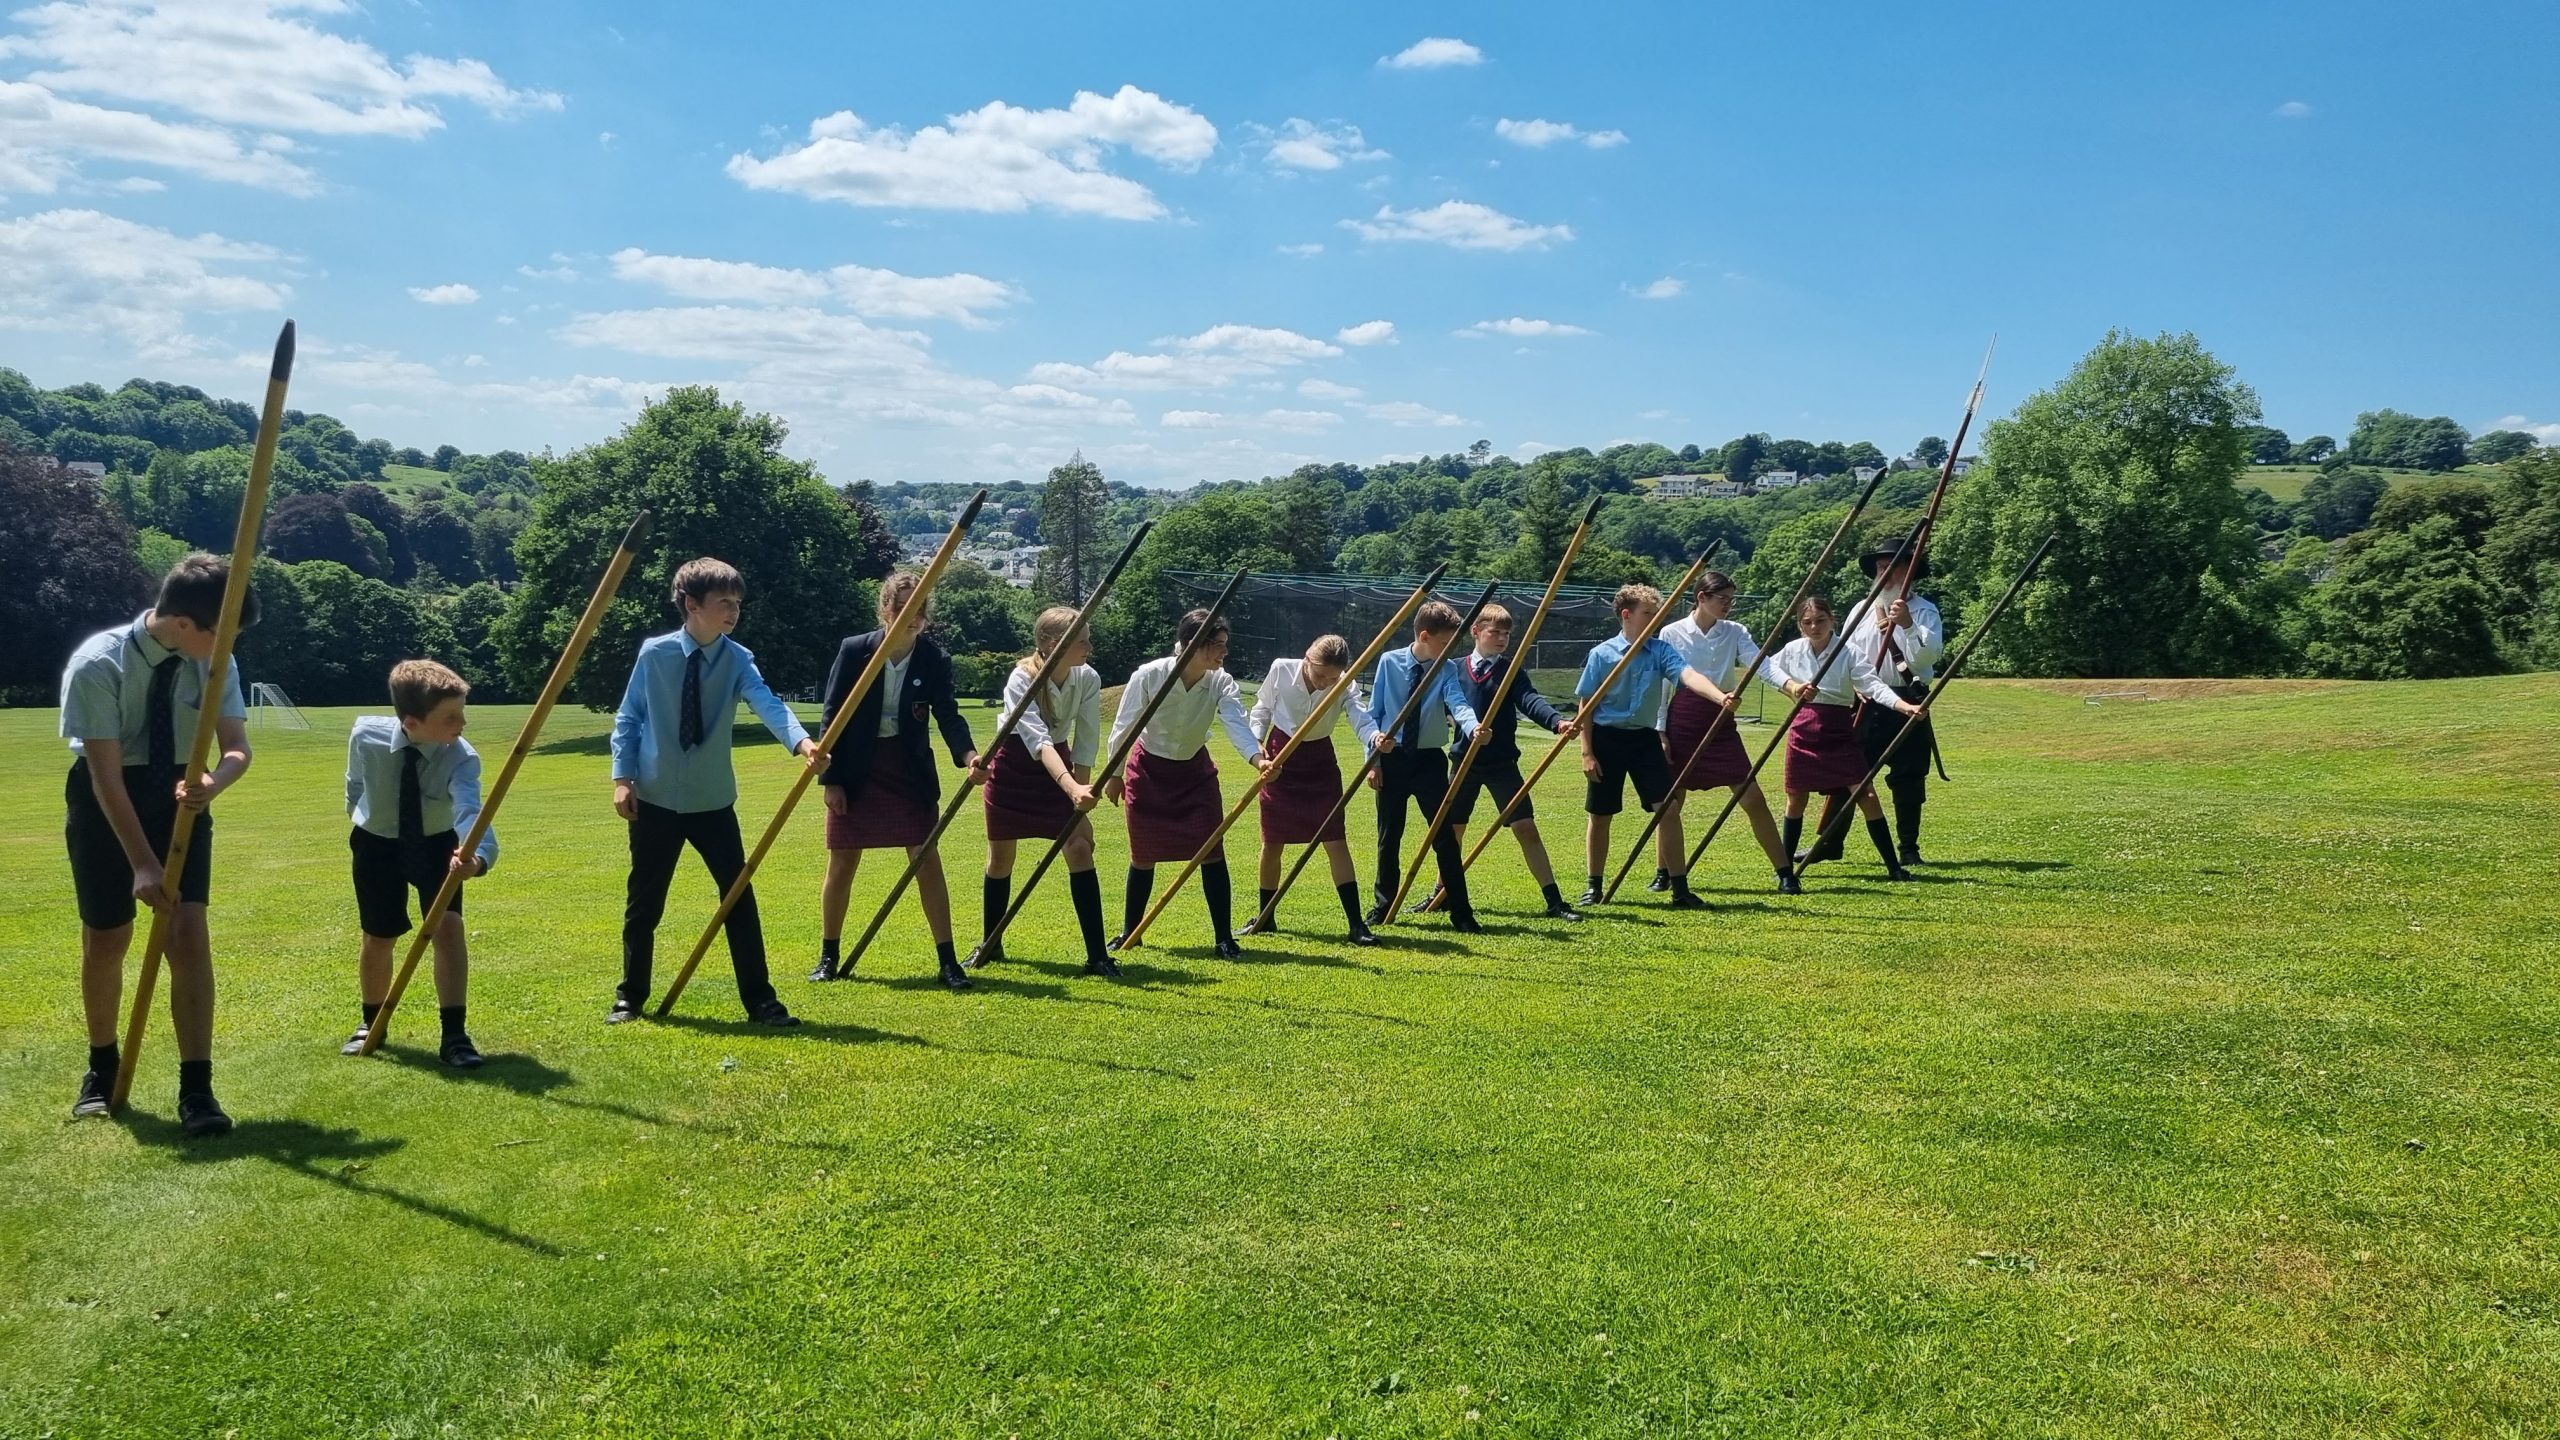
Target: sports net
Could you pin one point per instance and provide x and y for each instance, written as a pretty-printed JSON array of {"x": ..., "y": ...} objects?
[{"x": 271, "y": 708}]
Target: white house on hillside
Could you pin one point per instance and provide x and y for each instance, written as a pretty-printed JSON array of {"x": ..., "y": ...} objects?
[
  {"x": 1779, "y": 480},
  {"x": 1722, "y": 490},
  {"x": 1677, "y": 487}
]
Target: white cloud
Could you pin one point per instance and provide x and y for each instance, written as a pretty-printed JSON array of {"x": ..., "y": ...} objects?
[
  {"x": 1298, "y": 421},
  {"x": 559, "y": 270},
  {"x": 1408, "y": 412},
  {"x": 1304, "y": 145},
  {"x": 1666, "y": 288},
  {"x": 1302, "y": 251},
  {"x": 862, "y": 289},
  {"x": 1539, "y": 134},
  {"x": 1460, "y": 224},
  {"x": 43, "y": 137},
  {"x": 81, "y": 272},
  {"x": 1214, "y": 358},
  {"x": 1327, "y": 390},
  {"x": 1522, "y": 329},
  {"x": 1192, "y": 420},
  {"x": 998, "y": 158},
  {"x": 474, "y": 362},
  {"x": 456, "y": 294},
  {"x": 245, "y": 63},
  {"x": 1368, "y": 332},
  {"x": 1532, "y": 447},
  {"x": 2547, "y": 434},
  {"x": 1433, "y": 53},
  {"x": 2292, "y": 110},
  {"x": 1256, "y": 343}
]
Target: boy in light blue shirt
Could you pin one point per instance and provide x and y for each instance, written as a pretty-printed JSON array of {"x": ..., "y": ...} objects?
[
  {"x": 673, "y": 782},
  {"x": 413, "y": 787},
  {"x": 1620, "y": 743}
]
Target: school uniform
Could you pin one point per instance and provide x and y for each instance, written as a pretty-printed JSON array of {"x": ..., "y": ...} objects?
[
  {"x": 409, "y": 804},
  {"x": 1302, "y": 804},
  {"x": 1623, "y": 738},
  {"x": 122, "y": 685},
  {"x": 1698, "y": 737},
  {"x": 1171, "y": 785},
  {"x": 1908, "y": 661},
  {"x": 1416, "y": 772},
  {"x": 671, "y": 741},
  {"x": 1822, "y": 741},
  {"x": 1022, "y": 802},
  {"x": 1497, "y": 768},
  {"x": 883, "y": 757}
]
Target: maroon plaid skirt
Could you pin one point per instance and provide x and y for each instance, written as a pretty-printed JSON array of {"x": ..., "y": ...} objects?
[
  {"x": 1823, "y": 752},
  {"x": 1303, "y": 794},
  {"x": 1173, "y": 806},
  {"x": 1022, "y": 802},
  {"x": 889, "y": 811},
  {"x": 1725, "y": 761}
]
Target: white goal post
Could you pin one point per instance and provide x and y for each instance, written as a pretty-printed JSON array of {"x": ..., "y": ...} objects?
[{"x": 269, "y": 704}]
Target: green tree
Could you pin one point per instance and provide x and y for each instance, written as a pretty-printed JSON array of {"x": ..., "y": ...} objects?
[
  {"x": 2406, "y": 605},
  {"x": 2338, "y": 503},
  {"x": 1931, "y": 451},
  {"x": 2500, "y": 446},
  {"x": 2522, "y": 554},
  {"x": 1302, "y": 515},
  {"x": 2470, "y": 505},
  {"x": 1742, "y": 456},
  {"x": 1376, "y": 553},
  {"x": 2400, "y": 440},
  {"x": 2313, "y": 450},
  {"x": 1783, "y": 557},
  {"x": 1212, "y": 534},
  {"x": 2132, "y": 462},
  {"x": 356, "y": 629},
  {"x": 471, "y": 618},
  {"x": 717, "y": 481},
  {"x": 1075, "y": 527},
  {"x": 317, "y": 527},
  {"x": 2267, "y": 445},
  {"x": 72, "y": 561}
]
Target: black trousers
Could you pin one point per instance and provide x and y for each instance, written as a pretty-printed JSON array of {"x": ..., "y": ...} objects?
[
  {"x": 658, "y": 838},
  {"x": 1906, "y": 774},
  {"x": 1420, "y": 777}
]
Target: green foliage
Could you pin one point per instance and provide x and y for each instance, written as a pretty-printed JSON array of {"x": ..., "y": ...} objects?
[
  {"x": 2500, "y": 446},
  {"x": 717, "y": 481},
  {"x": 72, "y": 566},
  {"x": 2312, "y": 451},
  {"x": 1215, "y": 533},
  {"x": 2522, "y": 554},
  {"x": 2392, "y": 438},
  {"x": 159, "y": 552},
  {"x": 2266, "y": 444},
  {"x": 2406, "y": 605},
  {"x": 303, "y": 528},
  {"x": 1075, "y": 532},
  {"x": 330, "y": 636},
  {"x": 466, "y": 638},
  {"x": 2338, "y": 503},
  {"x": 1930, "y": 452}
]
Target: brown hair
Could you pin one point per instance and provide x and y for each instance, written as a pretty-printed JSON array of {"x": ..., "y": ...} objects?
[
  {"x": 419, "y": 686},
  {"x": 1047, "y": 634},
  {"x": 192, "y": 590},
  {"x": 1632, "y": 596},
  {"x": 1814, "y": 605},
  {"x": 699, "y": 579},
  {"x": 1712, "y": 583},
  {"x": 1329, "y": 650},
  {"x": 1437, "y": 618},
  {"x": 1495, "y": 615},
  {"x": 1194, "y": 621},
  {"x": 896, "y": 590}
]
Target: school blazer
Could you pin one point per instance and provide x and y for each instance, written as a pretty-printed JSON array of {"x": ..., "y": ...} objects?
[
  {"x": 1504, "y": 742},
  {"x": 927, "y": 693}
]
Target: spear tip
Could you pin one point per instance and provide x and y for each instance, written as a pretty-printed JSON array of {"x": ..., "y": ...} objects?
[
  {"x": 641, "y": 524},
  {"x": 1591, "y": 512},
  {"x": 282, "y": 369},
  {"x": 969, "y": 516}
]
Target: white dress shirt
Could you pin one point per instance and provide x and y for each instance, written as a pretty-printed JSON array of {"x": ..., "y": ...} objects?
[
  {"x": 1075, "y": 698},
  {"x": 1849, "y": 676},
  {"x": 893, "y": 684},
  {"x": 1285, "y": 701},
  {"x": 1721, "y": 652},
  {"x": 1921, "y": 637},
  {"x": 1181, "y": 724}
]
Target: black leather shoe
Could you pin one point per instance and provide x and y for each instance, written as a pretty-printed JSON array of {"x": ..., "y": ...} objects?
[
  {"x": 825, "y": 971},
  {"x": 1911, "y": 855},
  {"x": 1562, "y": 911},
  {"x": 1119, "y": 943},
  {"x": 1423, "y": 905},
  {"x": 1230, "y": 950},
  {"x": 200, "y": 1115},
  {"x": 1102, "y": 965},
  {"x": 459, "y": 1053},
  {"x": 1590, "y": 896},
  {"x": 355, "y": 1042},
  {"x": 1660, "y": 882},
  {"x": 1363, "y": 935},
  {"x": 1896, "y": 872},
  {"x": 1377, "y": 914},
  {"x": 1465, "y": 922},
  {"x": 622, "y": 1012},
  {"x": 1788, "y": 884},
  {"x": 1687, "y": 901},
  {"x": 1255, "y": 926},
  {"x": 771, "y": 1013},
  {"x": 952, "y": 976},
  {"x": 94, "y": 1086}
]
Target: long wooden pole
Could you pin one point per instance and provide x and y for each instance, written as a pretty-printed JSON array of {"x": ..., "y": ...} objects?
[
  {"x": 1839, "y": 823},
  {"x": 1110, "y": 766},
  {"x": 1590, "y": 707},
  {"x": 962, "y": 794},
  {"x": 1910, "y": 564},
  {"x": 1520, "y": 652},
  {"x": 226, "y": 633},
  {"x": 1314, "y": 723},
  {"x": 1777, "y": 626},
  {"x": 561, "y": 671},
  {"x": 1840, "y": 643},
  {"x": 800, "y": 783}
]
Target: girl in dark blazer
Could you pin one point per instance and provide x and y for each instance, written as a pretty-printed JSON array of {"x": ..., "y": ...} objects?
[{"x": 881, "y": 786}]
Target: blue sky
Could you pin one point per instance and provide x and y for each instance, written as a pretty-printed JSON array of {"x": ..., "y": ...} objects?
[{"x": 955, "y": 242}]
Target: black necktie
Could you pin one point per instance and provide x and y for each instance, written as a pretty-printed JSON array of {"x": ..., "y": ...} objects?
[
  {"x": 1484, "y": 668},
  {"x": 160, "y": 714},
  {"x": 413, "y": 800},
  {"x": 689, "y": 728},
  {"x": 1411, "y": 739}
]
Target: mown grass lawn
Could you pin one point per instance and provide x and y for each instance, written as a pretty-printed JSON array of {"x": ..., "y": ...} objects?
[
  {"x": 2285, "y": 482},
  {"x": 2205, "y": 1087}
]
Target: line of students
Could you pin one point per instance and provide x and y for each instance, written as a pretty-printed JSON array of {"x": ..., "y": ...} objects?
[{"x": 413, "y": 782}]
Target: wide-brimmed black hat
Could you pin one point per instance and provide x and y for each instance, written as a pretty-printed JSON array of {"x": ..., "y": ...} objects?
[{"x": 1885, "y": 552}]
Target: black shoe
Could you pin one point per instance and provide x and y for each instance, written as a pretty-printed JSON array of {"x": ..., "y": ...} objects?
[
  {"x": 1911, "y": 855},
  {"x": 1423, "y": 905},
  {"x": 1590, "y": 896},
  {"x": 459, "y": 1053},
  {"x": 981, "y": 954},
  {"x": 623, "y": 1010},
  {"x": 200, "y": 1115},
  {"x": 1562, "y": 911},
  {"x": 1788, "y": 884},
  {"x": 1119, "y": 943},
  {"x": 1363, "y": 935},
  {"x": 1896, "y": 872},
  {"x": 1102, "y": 965},
  {"x": 1255, "y": 926},
  {"x": 1465, "y": 922},
  {"x": 1684, "y": 900},
  {"x": 952, "y": 976},
  {"x": 1230, "y": 950},
  {"x": 1377, "y": 914},
  {"x": 94, "y": 1086},
  {"x": 770, "y": 1012},
  {"x": 826, "y": 970},
  {"x": 355, "y": 1042},
  {"x": 1660, "y": 882}
]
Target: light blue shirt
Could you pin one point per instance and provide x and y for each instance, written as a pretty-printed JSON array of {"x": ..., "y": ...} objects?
[
  {"x": 106, "y": 692},
  {"x": 646, "y": 734},
  {"x": 1397, "y": 671},
  {"x": 1637, "y": 698},
  {"x": 448, "y": 783}
]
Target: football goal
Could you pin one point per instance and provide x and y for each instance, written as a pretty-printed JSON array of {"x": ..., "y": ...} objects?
[{"x": 269, "y": 706}]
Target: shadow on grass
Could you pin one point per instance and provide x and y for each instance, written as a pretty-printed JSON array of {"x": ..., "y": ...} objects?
[
  {"x": 1114, "y": 1067},
  {"x": 979, "y": 979},
  {"x": 520, "y": 1074},
  {"x": 826, "y": 1030},
  {"x": 742, "y": 735},
  {"x": 1929, "y": 865},
  {"x": 330, "y": 1155}
]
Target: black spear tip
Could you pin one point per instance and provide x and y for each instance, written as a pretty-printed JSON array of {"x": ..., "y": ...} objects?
[
  {"x": 639, "y": 531},
  {"x": 1433, "y": 578},
  {"x": 1591, "y": 511},
  {"x": 969, "y": 516},
  {"x": 282, "y": 369}
]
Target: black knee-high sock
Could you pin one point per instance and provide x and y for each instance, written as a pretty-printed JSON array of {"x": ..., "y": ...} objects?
[
  {"x": 1906, "y": 819},
  {"x": 195, "y": 1077},
  {"x": 371, "y": 1009},
  {"x": 1790, "y": 831},
  {"x": 994, "y": 893},
  {"x": 451, "y": 1016},
  {"x": 1349, "y": 893},
  {"x": 1882, "y": 834},
  {"x": 829, "y": 946},
  {"x": 1133, "y": 904},
  {"x": 1213, "y": 888},
  {"x": 1264, "y": 908},
  {"x": 1086, "y": 887},
  {"x": 105, "y": 1059},
  {"x": 1549, "y": 893}
]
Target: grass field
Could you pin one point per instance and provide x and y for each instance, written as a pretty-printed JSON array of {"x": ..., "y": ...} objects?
[
  {"x": 2204, "y": 1087},
  {"x": 2285, "y": 482}
]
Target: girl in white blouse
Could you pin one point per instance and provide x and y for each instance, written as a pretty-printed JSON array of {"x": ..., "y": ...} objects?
[
  {"x": 1302, "y": 803},
  {"x": 1041, "y": 783},
  {"x": 1823, "y": 753}
]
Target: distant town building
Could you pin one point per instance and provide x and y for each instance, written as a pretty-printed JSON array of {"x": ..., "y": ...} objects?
[
  {"x": 1677, "y": 487},
  {"x": 1964, "y": 463},
  {"x": 1723, "y": 490},
  {"x": 1866, "y": 473},
  {"x": 1779, "y": 480}
]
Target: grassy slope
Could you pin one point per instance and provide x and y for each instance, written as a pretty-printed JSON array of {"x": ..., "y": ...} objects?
[
  {"x": 2204, "y": 1088},
  {"x": 406, "y": 481},
  {"x": 2285, "y": 482}
]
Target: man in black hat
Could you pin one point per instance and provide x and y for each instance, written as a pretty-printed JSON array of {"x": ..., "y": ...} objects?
[{"x": 1901, "y": 635}]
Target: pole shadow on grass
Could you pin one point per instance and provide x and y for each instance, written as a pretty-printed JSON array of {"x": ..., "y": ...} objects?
[
  {"x": 332, "y": 1155},
  {"x": 519, "y": 1074},
  {"x": 742, "y": 737},
  {"x": 1114, "y": 1067},
  {"x": 1997, "y": 865},
  {"x": 832, "y": 1032}
]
